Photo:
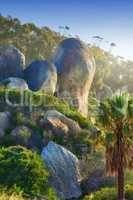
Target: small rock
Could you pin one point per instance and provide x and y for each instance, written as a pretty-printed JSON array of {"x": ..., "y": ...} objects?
[
  {"x": 59, "y": 124},
  {"x": 15, "y": 83},
  {"x": 97, "y": 180}
]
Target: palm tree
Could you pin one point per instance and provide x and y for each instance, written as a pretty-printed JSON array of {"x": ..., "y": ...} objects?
[{"x": 115, "y": 115}]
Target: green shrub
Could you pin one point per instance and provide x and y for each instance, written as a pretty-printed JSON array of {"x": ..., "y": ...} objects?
[
  {"x": 7, "y": 140},
  {"x": 103, "y": 194},
  {"x": 79, "y": 144},
  {"x": 21, "y": 169},
  {"x": 47, "y": 102},
  {"x": 129, "y": 192},
  {"x": 110, "y": 194}
]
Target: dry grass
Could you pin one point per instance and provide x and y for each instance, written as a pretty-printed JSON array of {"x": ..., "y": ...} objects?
[{"x": 5, "y": 196}]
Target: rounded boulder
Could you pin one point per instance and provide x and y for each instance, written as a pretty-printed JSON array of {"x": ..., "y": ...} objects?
[
  {"x": 12, "y": 62},
  {"x": 41, "y": 75},
  {"x": 76, "y": 68}
]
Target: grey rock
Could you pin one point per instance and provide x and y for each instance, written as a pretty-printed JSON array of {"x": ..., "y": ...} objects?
[
  {"x": 24, "y": 136},
  {"x": 12, "y": 62},
  {"x": 59, "y": 124},
  {"x": 41, "y": 75},
  {"x": 5, "y": 120},
  {"x": 63, "y": 165},
  {"x": 76, "y": 68},
  {"x": 15, "y": 83},
  {"x": 97, "y": 180}
]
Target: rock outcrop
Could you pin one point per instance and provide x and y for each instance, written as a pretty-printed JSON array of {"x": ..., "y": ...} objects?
[
  {"x": 12, "y": 62},
  {"x": 59, "y": 124},
  {"x": 63, "y": 166},
  {"x": 75, "y": 68},
  {"x": 41, "y": 75}
]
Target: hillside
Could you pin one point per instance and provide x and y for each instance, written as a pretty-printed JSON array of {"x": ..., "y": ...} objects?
[
  {"x": 39, "y": 43},
  {"x": 61, "y": 101}
]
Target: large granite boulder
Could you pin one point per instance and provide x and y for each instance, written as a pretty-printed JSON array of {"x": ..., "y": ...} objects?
[
  {"x": 12, "y": 62},
  {"x": 59, "y": 124},
  {"x": 75, "y": 67},
  {"x": 14, "y": 83},
  {"x": 41, "y": 75},
  {"x": 23, "y": 135},
  {"x": 63, "y": 165}
]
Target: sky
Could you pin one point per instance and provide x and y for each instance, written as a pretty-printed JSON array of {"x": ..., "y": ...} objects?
[{"x": 110, "y": 19}]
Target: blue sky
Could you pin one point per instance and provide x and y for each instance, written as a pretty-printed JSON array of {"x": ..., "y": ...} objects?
[{"x": 110, "y": 19}]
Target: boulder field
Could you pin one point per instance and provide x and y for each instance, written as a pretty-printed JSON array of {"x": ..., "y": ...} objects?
[{"x": 70, "y": 74}]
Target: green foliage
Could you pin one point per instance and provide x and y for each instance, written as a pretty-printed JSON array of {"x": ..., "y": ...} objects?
[
  {"x": 103, "y": 194},
  {"x": 34, "y": 42},
  {"x": 12, "y": 194},
  {"x": 110, "y": 194},
  {"x": 21, "y": 169},
  {"x": 116, "y": 110},
  {"x": 115, "y": 119},
  {"x": 38, "y": 43},
  {"x": 112, "y": 74},
  {"x": 39, "y": 101},
  {"x": 79, "y": 144}
]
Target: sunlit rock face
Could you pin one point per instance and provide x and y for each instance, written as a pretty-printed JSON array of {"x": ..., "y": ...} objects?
[
  {"x": 12, "y": 62},
  {"x": 59, "y": 124},
  {"x": 64, "y": 170},
  {"x": 75, "y": 67},
  {"x": 41, "y": 75}
]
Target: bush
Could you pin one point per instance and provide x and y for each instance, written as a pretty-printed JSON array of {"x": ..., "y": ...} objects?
[
  {"x": 20, "y": 169},
  {"x": 110, "y": 194},
  {"x": 79, "y": 144},
  {"x": 47, "y": 102}
]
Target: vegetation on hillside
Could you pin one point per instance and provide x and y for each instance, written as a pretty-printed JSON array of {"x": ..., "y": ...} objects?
[
  {"x": 116, "y": 118},
  {"x": 114, "y": 75},
  {"x": 110, "y": 194},
  {"x": 34, "y": 42},
  {"x": 23, "y": 171}
]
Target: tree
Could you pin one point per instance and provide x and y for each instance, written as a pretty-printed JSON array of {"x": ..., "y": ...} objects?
[
  {"x": 115, "y": 117},
  {"x": 112, "y": 45},
  {"x": 36, "y": 43}
]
